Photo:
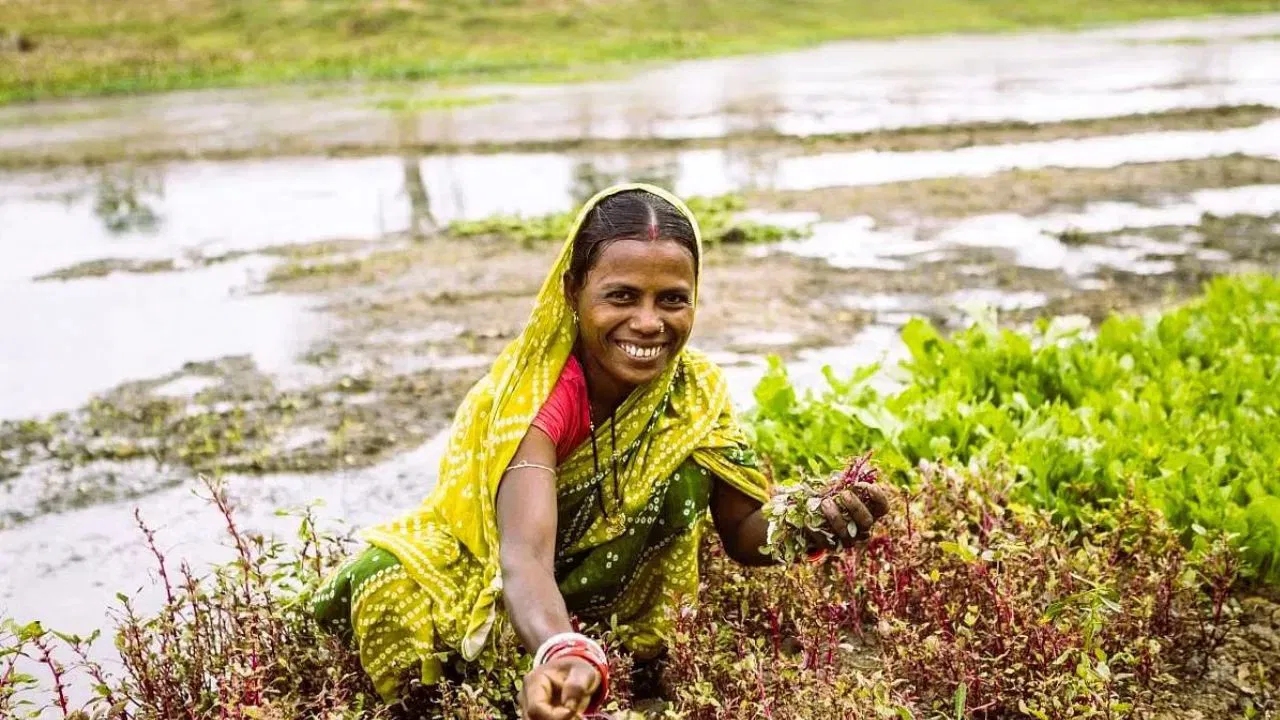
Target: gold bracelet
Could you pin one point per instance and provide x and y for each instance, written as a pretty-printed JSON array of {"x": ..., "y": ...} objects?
[{"x": 522, "y": 464}]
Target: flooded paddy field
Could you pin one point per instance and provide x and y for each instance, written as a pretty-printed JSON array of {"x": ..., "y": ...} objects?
[{"x": 289, "y": 306}]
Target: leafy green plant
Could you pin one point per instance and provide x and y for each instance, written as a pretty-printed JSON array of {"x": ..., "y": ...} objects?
[
  {"x": 965, "y": 603},
  {"x": 1182, "y": 409}
]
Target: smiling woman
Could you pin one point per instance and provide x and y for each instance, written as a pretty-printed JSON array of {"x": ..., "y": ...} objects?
[{"x": 579, "y": 478}]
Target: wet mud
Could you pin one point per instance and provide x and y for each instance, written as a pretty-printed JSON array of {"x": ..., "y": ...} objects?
[
  {"x": 1241, "y": 678},
  {"x": 762, "y": 140},
  {"x": 1029, "y": 192},
  {"x": 214, "y": 418}
]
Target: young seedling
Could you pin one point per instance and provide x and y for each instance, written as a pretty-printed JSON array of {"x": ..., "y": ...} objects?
[{"x": 795, "y": 510}]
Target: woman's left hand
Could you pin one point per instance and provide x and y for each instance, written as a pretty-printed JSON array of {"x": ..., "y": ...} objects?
[{"x": 850, "y": 516}]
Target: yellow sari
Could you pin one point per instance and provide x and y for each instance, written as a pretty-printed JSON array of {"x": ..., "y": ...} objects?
[{"x": 429, "y": 587}]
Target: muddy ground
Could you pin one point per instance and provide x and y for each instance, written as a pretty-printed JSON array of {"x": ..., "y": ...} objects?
[
  {"x": 1026, "y": 192},
  {"x": 1241, "y": 679},
  {"x": 950, "y": 136}
]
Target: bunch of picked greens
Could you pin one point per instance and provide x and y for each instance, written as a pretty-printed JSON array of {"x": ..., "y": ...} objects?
[{"x": 795, "y": 510}]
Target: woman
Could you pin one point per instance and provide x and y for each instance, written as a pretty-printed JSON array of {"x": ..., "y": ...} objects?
[{"x": 577, "y": 477}]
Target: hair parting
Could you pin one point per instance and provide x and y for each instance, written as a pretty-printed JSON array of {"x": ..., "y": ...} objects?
[{"x": 628, "y": 215}]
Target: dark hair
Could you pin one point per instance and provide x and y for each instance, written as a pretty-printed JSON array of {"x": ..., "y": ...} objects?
[{"x": 628, "y": 215}]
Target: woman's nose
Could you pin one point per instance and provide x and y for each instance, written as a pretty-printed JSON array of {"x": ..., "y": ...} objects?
[{"x": 647, "y": 321}]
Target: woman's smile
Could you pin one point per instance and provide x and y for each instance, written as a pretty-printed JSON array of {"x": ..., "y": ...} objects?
[{"x": 642, "y": 353}]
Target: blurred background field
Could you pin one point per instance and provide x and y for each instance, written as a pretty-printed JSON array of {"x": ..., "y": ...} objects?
[{"x": 82, "y": 47}]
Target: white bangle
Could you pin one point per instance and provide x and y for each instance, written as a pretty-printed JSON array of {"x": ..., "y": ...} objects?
[
  {"x": 541, "y": 656},
  {"x": 535, "y": 466}
]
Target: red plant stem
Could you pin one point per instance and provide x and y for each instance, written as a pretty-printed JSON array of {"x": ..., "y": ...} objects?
[
  {"x": 56, "y": 669},
  {"x": 95, "y": 672},
  {"x": 765, "y": 701},
  {"x": 775, "y": 633},
  {"x": 155, "y": 552}
]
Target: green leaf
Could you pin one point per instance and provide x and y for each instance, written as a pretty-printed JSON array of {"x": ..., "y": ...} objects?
[{"x": 960, "y": 550}]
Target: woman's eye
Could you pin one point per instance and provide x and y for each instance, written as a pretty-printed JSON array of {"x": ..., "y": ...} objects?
[
  {"x": 676, "y": 299},
  {"x": 620, "y": 295}
]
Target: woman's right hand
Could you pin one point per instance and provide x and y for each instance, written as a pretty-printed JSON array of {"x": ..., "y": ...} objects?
[{"x": 558, "y": 690}]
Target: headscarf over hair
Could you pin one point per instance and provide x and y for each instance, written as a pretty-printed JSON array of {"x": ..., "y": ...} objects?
[{"x": 449, "y": 545}]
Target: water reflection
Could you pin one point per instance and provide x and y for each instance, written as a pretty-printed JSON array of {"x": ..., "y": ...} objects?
[
  {"x": 211, "y": 208},
  {"x": 124, "y": 199},
  {"x": 421, "y": 222},
  {"x": 590, "y": 176}
]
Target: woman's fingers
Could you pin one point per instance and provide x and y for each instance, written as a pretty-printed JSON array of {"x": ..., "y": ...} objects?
[
  {"x": 873, "y": 497},
  {"x": 536, "y": 697},
  {"x": 836, "y": 521},
  {"x": 559, "y": 690},
  {"x": 580, "y": 683},
  {"x": 850, "y": 515},
  {"x": 856, "y": 512}
]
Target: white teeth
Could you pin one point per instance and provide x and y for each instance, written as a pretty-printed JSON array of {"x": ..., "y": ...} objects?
[{"x": 638, "y": 352}]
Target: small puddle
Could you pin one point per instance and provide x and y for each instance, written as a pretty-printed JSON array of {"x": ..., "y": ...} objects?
[
  {"x": 73, "y": 339},
  {"x": 1035, "y": 242}
]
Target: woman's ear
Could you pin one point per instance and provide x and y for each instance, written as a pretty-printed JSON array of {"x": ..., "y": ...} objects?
[{"x": 570, "y": 291}]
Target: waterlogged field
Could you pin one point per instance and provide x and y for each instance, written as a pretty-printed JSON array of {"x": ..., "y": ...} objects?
[{"x": 1040, "y": 287}]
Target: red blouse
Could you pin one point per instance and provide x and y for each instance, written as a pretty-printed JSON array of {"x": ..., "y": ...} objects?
[{"x": 566, "y": 415}]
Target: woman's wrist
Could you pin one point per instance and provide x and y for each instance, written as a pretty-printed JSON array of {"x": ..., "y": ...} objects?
[
  {"x": 753, "y": 533},
  {"x": 563, "y": 640}
]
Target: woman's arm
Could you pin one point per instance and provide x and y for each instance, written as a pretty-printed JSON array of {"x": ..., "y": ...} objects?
[
  {"x": 562, "y": 688},
  {"x": 740, "y": 523},
  {"x": 526, "y": 507}
]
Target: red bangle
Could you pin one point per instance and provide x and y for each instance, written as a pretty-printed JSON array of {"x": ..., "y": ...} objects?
[
  {"x": 816, "y": 556},
  {"x": 582, "y": 652}
]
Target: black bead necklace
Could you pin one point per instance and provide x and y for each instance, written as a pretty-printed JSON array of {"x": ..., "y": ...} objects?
[{"x": 595, "y": 454}]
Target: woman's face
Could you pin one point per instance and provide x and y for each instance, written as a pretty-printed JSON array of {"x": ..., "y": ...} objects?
[{"x": 635, "y": 309}]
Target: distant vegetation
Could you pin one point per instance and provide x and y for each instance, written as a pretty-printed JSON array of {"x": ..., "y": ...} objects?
[{"x": 54, "y": 48}]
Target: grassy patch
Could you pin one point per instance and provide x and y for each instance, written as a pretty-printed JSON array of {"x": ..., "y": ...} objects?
[
  {"x": 427, "y": 104},
  {"x": 76, "y": 47},
  {"x": 104, "y": 267},
  {"x": 717, "y": 218}
]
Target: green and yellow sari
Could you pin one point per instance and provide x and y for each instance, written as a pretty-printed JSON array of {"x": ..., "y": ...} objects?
[{"x": 428, "y": 589}]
